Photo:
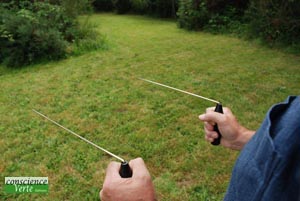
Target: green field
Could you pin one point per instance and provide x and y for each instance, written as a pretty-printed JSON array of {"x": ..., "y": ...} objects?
[{"x": 99, "y": 96}]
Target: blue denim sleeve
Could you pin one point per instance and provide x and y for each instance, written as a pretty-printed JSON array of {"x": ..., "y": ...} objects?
[{"x": 268, "y": 167}]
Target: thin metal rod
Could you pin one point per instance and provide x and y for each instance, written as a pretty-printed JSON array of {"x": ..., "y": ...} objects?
[
  {"x": 186, "y": 92},
  {"x": 102, "y": 149}
]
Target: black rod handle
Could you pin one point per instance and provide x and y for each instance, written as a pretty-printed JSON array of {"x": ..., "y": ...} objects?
[
  {"x": 125, "y": 170},
  {"x": 217, "y": 141}
]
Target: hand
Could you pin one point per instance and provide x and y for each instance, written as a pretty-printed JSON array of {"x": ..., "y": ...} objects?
[
  {"x": 234, "y": 136},
  {"x": 138, "y": 187}
]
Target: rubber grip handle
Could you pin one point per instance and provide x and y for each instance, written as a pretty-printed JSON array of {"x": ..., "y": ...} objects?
[
  {"x": 125, "y": 170},
  {"x": 217, "y": 141}
]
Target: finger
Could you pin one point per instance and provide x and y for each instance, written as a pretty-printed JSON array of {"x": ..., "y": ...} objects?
[
  {"x": 212, "y": 117},
  {"x": 211, "y": 134},
  {"x": 226, "y": 110},
  {"x": 139, "y": 168},
  {"x": 112, "y": 171},
  {"x": 212, "y": 109},
  {"x": 209, "y": 139},
  {"x": 209, "y": 126}
]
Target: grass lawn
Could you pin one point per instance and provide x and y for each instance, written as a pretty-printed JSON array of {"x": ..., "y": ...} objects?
[{"x": 99, "y": 96}]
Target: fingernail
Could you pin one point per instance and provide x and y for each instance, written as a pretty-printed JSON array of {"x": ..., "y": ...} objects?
[{"x": 201, "y": 117}]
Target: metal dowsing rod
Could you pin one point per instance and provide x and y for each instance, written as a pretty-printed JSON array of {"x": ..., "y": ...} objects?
[
  {"x": 186, "y": 92},
  {"x": 125, "y": 170},
  {"x": 218, "y": 108}
]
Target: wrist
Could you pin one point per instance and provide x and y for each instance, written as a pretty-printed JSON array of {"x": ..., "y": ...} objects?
[{"x": 243, "y": 138}]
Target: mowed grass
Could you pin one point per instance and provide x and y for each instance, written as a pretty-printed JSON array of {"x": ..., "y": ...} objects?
[{"x": 99, "y": 96}]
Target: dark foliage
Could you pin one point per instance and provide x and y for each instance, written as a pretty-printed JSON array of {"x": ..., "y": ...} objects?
[
  {"x": 210, "y": 14},
  {"x": 192, "y": 14},
  {"x": 103, "y": 5},
  {"x": 122, "y": 6},
  {"x": 159, "y": 8},
  {"x": 33, "y": 31},
  {"x": 219, "y": 6},
  {"x": 166, "y": 8},
  {"x": 275, "y": 21},
  {"x": 140, "y": 6}
]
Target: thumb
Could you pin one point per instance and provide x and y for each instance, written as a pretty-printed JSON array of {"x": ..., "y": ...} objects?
[
  {"x": 139, "y": 168},
  {"x": 211, "y": 116},
  {"x": 101, "y": 195}
]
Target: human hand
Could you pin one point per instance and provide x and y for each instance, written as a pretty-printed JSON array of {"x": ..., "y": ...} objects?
[
  {"x": 234, "y": 135},
  {"x": 138, "y": 187}
]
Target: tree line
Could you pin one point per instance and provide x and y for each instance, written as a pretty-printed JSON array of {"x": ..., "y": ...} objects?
[
  {"x": 39, "y": 30},
  {"x": 276, "y": 22}
]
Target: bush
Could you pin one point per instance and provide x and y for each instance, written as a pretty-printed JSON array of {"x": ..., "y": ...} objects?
[
  {"x": 31, "y": 32},
  {"x": 87, "y": 39},
  {"x": 229, "y": 20},
  {"x": 276, "y": 21},
  {"x": 27, "y": 36},
  {"x": 213, "y": 15},
  {"x": 221, "y": 6},
  {"x": 192, "y": 14},
  {"x": 74, "y": 8},
  {"x": 56, "y": 17}
]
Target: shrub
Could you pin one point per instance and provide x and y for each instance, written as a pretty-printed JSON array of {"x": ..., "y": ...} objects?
[
  {"x": 74, "y": 8},
  {"x": 31, "y": 32},
  {"x": 213, "y": 15},
  {"x": 87, "y": 39},
  {"x": 26, "y": 37},
  {"x": 56, "y": 17},
  {"x": 221, "y": 6},
  {"x": 227, "y": 21},
  {"x": 275, "y": 21},
  {"x": 192, "y": 14}
]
